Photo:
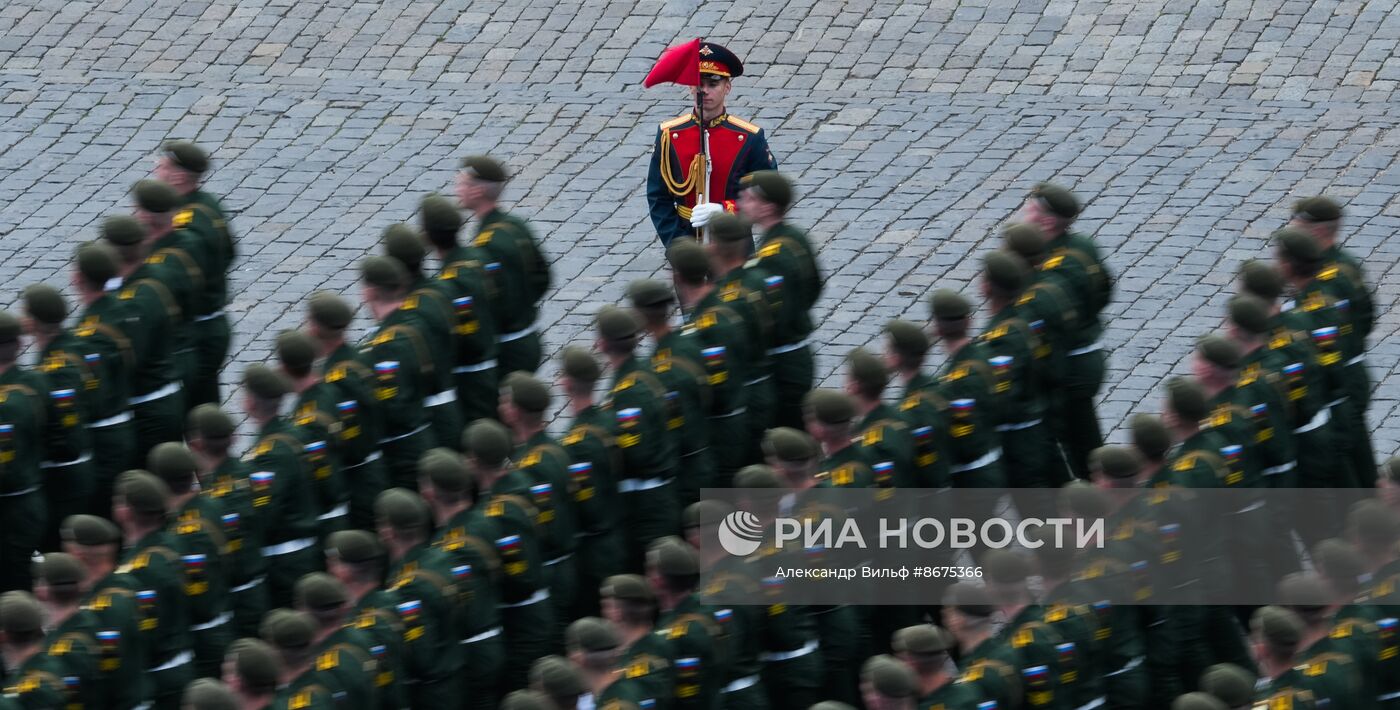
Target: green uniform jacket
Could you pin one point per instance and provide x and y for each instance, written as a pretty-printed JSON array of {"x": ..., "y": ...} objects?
[
  {"x": 551, "y": 489},
  {"x": 699, "y": 644},
  {"x": 317, "y": 424},
  {"x": 650, "y": 662},
  {"x": 281, "y": 485},
  {"x": 786, "y": 252},
  {"x": 1043, "y": 658},
  {"x": 521, "y": 272},
  {"x": 597, "y": 460},
  {"x": 122, "y": 642},
  {"x": 106, "y": 347},
  {"x": 153, "y": 324},
  {"x": 993, "y": 668},
  {"x": 956, "y": 695},
  {"x": 403, "y": 373},
  {"x": 1079, "y": 250},
  {"x": 198, "y": 528},
  {"x": 475, "y": 303},
  {"x": 679, "y": 362},
  {"x": 375, "y": 616},
  {"x": 887, "y": 447},
  {"x": 428, "y": 610},
  {"x": 468, "y": 539},
  {"x": 210, "y": 222},
  {"x": 968, "y": 384},
  {"x": 638, "y": 405},
  {"x": 241, "y": 524},
  {"x": 154, "y": 561},
  {"x": 927, "y": 414},
  {"x": 73, "y": 644},
  {"x": 22, "y": 420},
  {"x": 73, "y": 399},
  {"x": 48, "y": 682},
  {"x": 845, "y": 469}
]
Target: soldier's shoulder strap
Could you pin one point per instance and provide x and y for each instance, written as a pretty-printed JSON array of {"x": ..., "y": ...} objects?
[
  {"x": 123, "y": 343},
  {"x": 745, "y": 125},
  {"x": 527, "y": 507},
  {"x": 285, "y": 439},
  {"x": 29, "y": 393},
  {"x": 436, "y": 296},
  {"x": 198, "y": 523},
  {"x": 1058, "y": 295},
  {"x": 172, "y": 309},
  {"x": 649, "y": 379},
  {"x": 420, "y": 345},
  {"x": 676, "y": 122},
  {"x": 554, "y": 451},
  {"x": 65, "y": 644},
  {"x": 192, "y": 269}
]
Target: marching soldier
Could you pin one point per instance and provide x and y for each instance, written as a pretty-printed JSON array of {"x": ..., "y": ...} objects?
[
  {"x": 883, "y": 439},
  {"x": 1046, "y": 662},
  {"x": 698, "y": 641},
  {"x": 22, "y": 421},
  {"x": 830, "y": 418},
  {"x": 282, "y": 489},
  {"x": 923, "y": 409},
  {"x": 752, "y": 294},
  {"x": 887, "y": 683},
  {"x": 924, "y": 648},
  {"x": 108, "y": 350},
  {"x": 968, "y": 382},
  {"x": 253, "y": 671},
  {"x": 1053, "y": 209},
  {"x": 316, "y": 420},
  {"x": 595, "y": 650},
  {"x": 403, "y": 369},
  {"x": 357, "y": 412},
  {"x": 113, "y": 599},
  {"x": 303, "y": 683},
  {"x": 355, "y": 558},
  {"x": 343, "y": 647},
  {"x": 182, "y": 165},
  {"x": 1275, "y": 634},
  {"x": 727, "y": 352},
  {"x": 69, "y": 381},
  {"x": 733, "y": 147},
  {"x": 678, "y": 362},
  {"x": 36, "y": 679},
  {"x": 629, "y": 604},
  {"x": 786, "y": 252},
  {"x": 466, "y": 282},
  {"x": 208, "y": 694},
  {"x": 559, "y": 680},
  {"x": 636, "y": 401},
  {"x": 72, "y": 630},
  {"x": 597, "y": 462},
  {"x": 521, "y": 271}
]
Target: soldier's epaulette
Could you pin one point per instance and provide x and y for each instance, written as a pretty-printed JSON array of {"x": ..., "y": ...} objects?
[
  {"x": 410, "y": 303},
  {"x": 741, "y": 123},
  {"x": 183, "y": 218},
  {"x": 1185, "y": 463},
  {"x": 751, "y": 263},
  {"x": 382, "y": 338},
  {"x": 1026, "y": 297},
  {"x": 677, "y": 122},
  {"x": 770, "y": 249},
  {"x": 958, "y": 373},
  {"x": 52, "y": 363},
  {"x": 1053, "y": 262},
  {"x": 482, "y": 239},
  {"x": 625, "y": 383},
  {"x": 1328, "y": 273},
  {"x": 996, "y": 333}
]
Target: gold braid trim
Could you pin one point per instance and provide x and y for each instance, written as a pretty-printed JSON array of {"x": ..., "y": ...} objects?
[{"x": 679, "y": 189}]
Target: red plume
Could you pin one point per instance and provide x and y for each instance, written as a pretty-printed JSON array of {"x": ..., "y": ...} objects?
[{"x": 678, "y": 65}]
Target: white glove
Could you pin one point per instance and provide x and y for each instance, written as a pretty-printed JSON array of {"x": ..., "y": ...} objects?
[{"x": 702, "y": 213}]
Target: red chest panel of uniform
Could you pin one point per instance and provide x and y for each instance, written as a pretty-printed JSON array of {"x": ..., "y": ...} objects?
[{"x": 726, "y": 143}]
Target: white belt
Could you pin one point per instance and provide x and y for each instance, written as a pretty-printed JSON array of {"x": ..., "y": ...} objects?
[
  {"x": 1281, "y": 468},
  {"x": 122, "y": 418},
  {"x": 1134, "y": 662},
  {"x": 340, "y": 510},
  {"x": 557, "y": 560},
  {"x": 441, "y": 398},
  {"x": 209, "y": 316},
  {"x": 1354, "y": 361},
  {"x": 1388, "y": 696},
  {"x": 288, "y": 547},
  {"x": 487, "y": 634},
  {"x": 1337, "y": 402},
  {"x": 22, "y": 492},
  {"x": 782, "y": 349},
  {"x": 632, "y": 485},
  {"x": 161, "y": 393},
  {"x": 1091, "y": 347},
  {"x": 735, "y": 686},
  {"x": 175, "y": 661},
  {"x": 539, "y": 596},
  {"x": 807, "y": 648},
  {"x": 1095, "y": 703},
  {"x": 1018, "y": 426},
  {"x": 213, "y": 623},
  {"x": 1323, "y": 416},
  {"x": 61, "y": 464},
  {"x": 249, "y": 584},
  {"x": 482, "y": 366},
  {"x": 396, "y": 437},
  {"x": 731, "y": 413},
  {"x": 507, "y": 337},
  {"x": 371, "y": 458},
  {"x": 986, "y": 459},
  {"x": 757, "y": 380}
]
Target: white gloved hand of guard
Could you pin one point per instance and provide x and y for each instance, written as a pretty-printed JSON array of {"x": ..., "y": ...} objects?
[{"x": 702, "y": 213}]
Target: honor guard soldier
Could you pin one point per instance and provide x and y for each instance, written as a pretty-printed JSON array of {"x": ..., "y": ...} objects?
[
  {"x": 72, "y": 629},
  {"x": 403, "y": 369},
  {"x": 786, "y": 252},
  {"x": 37, "y": 679},
  {"x": 699, "y": 643},
  {"x": 727, "y": 354},
  {"x": 355, "y": 559},
  {"x": 596, "y": 463},
  {"x": 22, "y": 420},
  {"x": 733, "y": 147},
  {"x": 753, "y": 294},
  {"x": 678, "y": 361},
  {"x": 152, "y": 321},
  {"x": 151, "y": 555},
  {"x": 112, "y": 597},
  {"x": 197, "y": 525},
  {"x": 283, "y": 492},
  {"x": 342, "y": 646},
  {"x": 629, "y": 605},
  {"x": 637, "y": 403},
  {"x": 1322, "y": 218},
  {"x": 519, "y": 269},
  {"x": 924, "y": 648},
  {"x": 182, "y": 165},
  {"x": 315, "y": 416},
  {"x": 108, "y": 351},
  {"x": 475, "y": 302},
  {"x": 467, "y": 535},
  {"x": 435, "y": 323},
  {"x": 71, "y": 396},
  {"x": 1053, "y": 209},
  {"x": 358, "y": 411},
  {"x": 226, "y": 479}
]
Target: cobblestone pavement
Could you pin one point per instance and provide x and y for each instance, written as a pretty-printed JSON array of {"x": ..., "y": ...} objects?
[{"x": 912, "y": 129}]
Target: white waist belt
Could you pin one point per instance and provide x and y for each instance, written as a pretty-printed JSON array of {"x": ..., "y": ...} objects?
[
  {"x": 249, "y": 584},
  {"x": 632, "y": 485},
  {"x": 339, "y": 511},
  {"x": 507, "y": 337},
  {"x": 1018, "y": 426},
  {"x": 807, "y": 648},
  {"x": 161, "y": 393},
  {"x": 396, "y": 437},
  {"x": 539, "y": 596},
  {"x": 371, "y": 458},
  {"x": 1281, "y": 468},
  {"x": 1323, "y": 416},
  {"x": 210, "y": 316},
  {"x": 557, "y": 560},
  {"x": 487, "y": 634},
  {"x": 1388, "y": 696},
  {"x": 731, "y": 413},
  {"x": 1091, "y": 347},
  {"x": 288, "y": 547},
  {"x": 1131, "y": 664},
  {"x": 986, "y": 459},
  {"x": 1095, "y": 703},
  {"x": 61, "y": 464},
  {"x": 1337, "y": 402},
  {"x": 1355, "y": 361},
  {"x": 757, "y": 380},
  {"x": 441, "y": 398},
  {"x": 213, "y": 623},
  {"x": 482, "y": 366},
  {"x": 735, "y": 686},
  {"x": 122, "y": 418},
  {"x": 22, "y": 492},
  {"x": 175, "y": 661},
  {"x": 783, "y": 349}
]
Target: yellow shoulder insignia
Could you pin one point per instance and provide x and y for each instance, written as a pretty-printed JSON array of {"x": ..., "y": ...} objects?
[
  {"x": 328, "y": 661},
  {"x": 300, "y": 700},
  {"x": 909, "y": 403},
  {"x": 1185, "y": 463},
  {"x": 1053, "y": 262},
  {"x": 52, "y": 364},
  {"x": 1342, "y": 630},
  {"x": 496, "y": 510},
  {"x": 156, "y": 258},
  {"x": 410, "y": 303},
  {"x": 183, "y": 218},
  {"x": 1023, "y": 638},
  {"x": 1025, "y": 298},
  {"x": 1056, "y": 614},
  {"x": 743, "y": 124},
  {"x": 1328, "y": 273},
  {"x": 873, "y": 436},
  {"x": 142, "y": 561},
  {"x": 573, "y": 437},
  {"x": 997, "y": 332},
  {"x": 60, "y": 647},
  {"x": 626, "y": 383},
  {"x": 127, "y": 294},
  {"x": 707, "y": 319},
  {"x": 770, "y": 249},
  {"x": 959, "y": 372},
  {"x": 677, "y": 631},
  {"x": 336, "y": 374},
  {"x": 675, "y": 122},
  {"x": 188, "y": 528},
  {"x": 483, "y": 239}
]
